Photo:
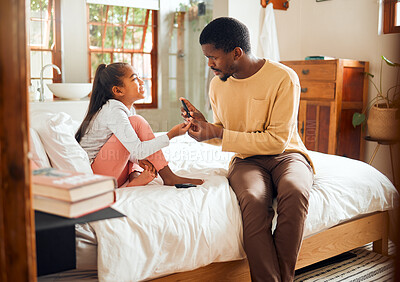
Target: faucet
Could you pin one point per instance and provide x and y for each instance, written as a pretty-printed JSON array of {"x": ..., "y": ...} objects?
[{"x": 41, "y": 89}]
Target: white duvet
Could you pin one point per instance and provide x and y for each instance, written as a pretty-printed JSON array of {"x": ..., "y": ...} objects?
[{"x": 168, "y": 230}]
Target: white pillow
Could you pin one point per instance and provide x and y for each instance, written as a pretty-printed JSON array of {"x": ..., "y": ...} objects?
[
  {"x": 57, "y": 132},
  {"x": 38, "y": 154}
]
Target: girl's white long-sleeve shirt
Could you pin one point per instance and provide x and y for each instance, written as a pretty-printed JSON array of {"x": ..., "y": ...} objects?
[{"x": 113, "y": 118}]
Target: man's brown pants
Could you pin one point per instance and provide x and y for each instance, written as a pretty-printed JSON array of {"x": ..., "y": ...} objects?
[{"x": 256, "y": 181}]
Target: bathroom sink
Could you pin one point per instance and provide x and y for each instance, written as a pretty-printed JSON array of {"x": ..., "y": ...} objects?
[{"x": 70, "y": 91}]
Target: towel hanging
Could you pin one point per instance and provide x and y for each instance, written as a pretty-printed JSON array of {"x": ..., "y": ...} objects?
[
  {"x": 278, "y": 4},
  {"x": 268, "y": 46}
]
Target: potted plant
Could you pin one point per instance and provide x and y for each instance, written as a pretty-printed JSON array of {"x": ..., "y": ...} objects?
[{"x": 383, "y": 119}]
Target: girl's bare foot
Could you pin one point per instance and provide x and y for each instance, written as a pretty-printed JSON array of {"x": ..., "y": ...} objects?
[
  {"x": 140, "y": 179},
  {"x": 171, "y": 178}
]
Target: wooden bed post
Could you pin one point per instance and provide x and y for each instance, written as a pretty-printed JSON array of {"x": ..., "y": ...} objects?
[
  {"x": 381, "y": 246},
  {"x": 17, "y": 241}
]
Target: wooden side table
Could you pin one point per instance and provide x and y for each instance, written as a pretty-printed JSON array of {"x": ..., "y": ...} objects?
[
  {"x": 379, "y": 143},
  {"x": 55, "y": 239}
]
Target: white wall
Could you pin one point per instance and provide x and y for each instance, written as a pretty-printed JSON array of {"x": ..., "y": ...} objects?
[
  {"x": 337, "y": 28},
  {"x": 74, "y": 41}
]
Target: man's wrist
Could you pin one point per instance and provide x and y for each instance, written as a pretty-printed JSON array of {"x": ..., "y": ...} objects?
[{"x": 220, "y": 132}]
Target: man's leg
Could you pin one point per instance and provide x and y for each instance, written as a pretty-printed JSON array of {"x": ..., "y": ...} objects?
[
  {"x": 293, "y": 178},
  {"x": 253, "y": 188}
]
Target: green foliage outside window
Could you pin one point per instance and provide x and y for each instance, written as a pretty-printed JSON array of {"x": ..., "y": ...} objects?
[
  {"x": 39, "y": 5},
  {"x": 116, "y": 18},
  {"x": 39, "y": 10}
]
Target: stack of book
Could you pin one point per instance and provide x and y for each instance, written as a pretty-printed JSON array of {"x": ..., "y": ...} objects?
[{"x": 71, "y": 194}]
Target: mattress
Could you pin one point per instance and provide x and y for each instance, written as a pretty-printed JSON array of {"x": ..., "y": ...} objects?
[{"x": 168, "y": 230}]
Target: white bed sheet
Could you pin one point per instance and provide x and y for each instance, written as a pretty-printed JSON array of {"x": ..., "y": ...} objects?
[{"x": 170, "y": 230}]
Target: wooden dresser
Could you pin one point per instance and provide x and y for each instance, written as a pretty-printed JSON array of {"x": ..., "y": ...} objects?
[{"x": 331, "y": 91}]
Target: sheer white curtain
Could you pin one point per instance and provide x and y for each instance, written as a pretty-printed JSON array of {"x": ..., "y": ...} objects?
[
  {"x": 268, "y": 46},
  {"x": 380, "y": 17}
]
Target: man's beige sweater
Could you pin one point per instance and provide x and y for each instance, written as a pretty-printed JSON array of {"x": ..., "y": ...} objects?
[{"x": 258, "y": 113}]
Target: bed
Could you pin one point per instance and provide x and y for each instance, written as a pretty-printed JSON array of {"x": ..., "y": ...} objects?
[{"x": 172, "y": 234}]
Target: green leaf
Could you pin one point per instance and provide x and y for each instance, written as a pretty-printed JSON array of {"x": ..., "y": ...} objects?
[
  {"x": 358, "y": 119},
  {"x": 390, "y": 63}
]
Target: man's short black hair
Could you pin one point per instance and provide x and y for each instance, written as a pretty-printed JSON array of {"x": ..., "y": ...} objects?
[{"x": 227, "y": 34}]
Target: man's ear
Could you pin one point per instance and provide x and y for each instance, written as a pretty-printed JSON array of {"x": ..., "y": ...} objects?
[
  {"x": 116, "y": 91},
  {"x": 237, "y": 53}
]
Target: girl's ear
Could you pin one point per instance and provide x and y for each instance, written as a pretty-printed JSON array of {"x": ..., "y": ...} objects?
[{"x": 116, "y": 91}]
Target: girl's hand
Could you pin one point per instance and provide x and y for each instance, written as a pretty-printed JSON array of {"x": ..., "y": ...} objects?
[
  {"x": 179, "y": 129},
  {"x": 148, "y": 172},
  {"x": 145, "y": 163},
  {"x": 141, "y": 178},
  {"x": 195, "y": 113}
]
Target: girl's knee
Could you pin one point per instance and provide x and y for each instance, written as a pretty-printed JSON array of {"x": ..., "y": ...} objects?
[
  {"x": 138, "y": 120},
  {"x": 141, "y": 127}
]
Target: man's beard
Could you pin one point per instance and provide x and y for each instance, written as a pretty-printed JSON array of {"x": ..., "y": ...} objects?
[{"x": 225, "y": 77}]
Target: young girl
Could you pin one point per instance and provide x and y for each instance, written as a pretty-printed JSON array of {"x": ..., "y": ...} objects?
[{"x": 115, "y": 138}]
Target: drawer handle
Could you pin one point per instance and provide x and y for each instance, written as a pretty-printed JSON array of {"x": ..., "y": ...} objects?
[
  {"x": 304, "y": 90},
  {"x": 305, "y": 72}
]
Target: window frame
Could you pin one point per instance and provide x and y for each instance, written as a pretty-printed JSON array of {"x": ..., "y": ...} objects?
[
  {"x": 56, "y": 50},
  {"x": 389, "y": 13},
  {"x": 153, "y": 53}
]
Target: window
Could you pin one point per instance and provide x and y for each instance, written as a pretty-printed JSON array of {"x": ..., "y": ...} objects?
[
  {"x": 125, "y": 34},
  {"x": 391, "y": 16},
  {"x": 44, "y": 40}
]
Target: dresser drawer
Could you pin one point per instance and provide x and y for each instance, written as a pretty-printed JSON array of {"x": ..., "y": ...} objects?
[
  {"x": 317, "y": 90},
  {"x": 325, "y": 72}
]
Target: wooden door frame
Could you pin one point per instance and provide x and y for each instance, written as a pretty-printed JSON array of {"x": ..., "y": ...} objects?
[{"x": 17, "y": 236}]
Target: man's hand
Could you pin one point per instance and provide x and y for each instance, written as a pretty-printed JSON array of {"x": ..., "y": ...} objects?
[
  {"x": 150, "y": 167},
  {"x": 202, "y": 130},
  {"x": 195, "y": 113}
]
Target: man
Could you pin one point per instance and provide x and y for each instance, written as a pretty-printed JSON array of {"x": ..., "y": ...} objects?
[{"x": 255, "y": 105}]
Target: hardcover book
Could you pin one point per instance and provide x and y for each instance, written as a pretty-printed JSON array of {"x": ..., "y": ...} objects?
[
  {"x": 73, "y": 209},
  {"x": 70, "y": 186}
]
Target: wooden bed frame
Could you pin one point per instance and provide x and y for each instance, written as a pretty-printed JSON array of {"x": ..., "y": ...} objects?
[{"x": 331, "y": 242}]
